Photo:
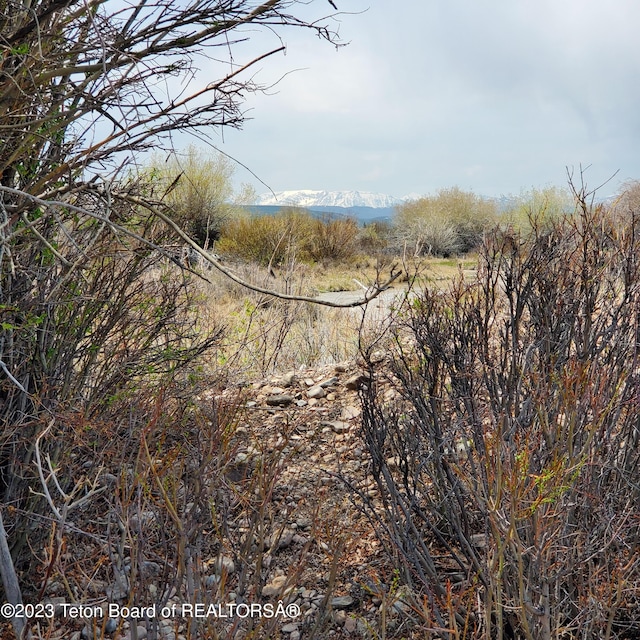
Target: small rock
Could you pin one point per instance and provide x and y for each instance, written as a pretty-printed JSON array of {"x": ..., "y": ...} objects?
[
  {"x": 107, "y": 478},
  {"x": 393, "y": 462},
  {"x": 342, "y": 602},
  {"x": 377, "y": 356},
  {"x": 283, "y": 541},
  {"x": 224, "y": 564},
  {"x": 55, "y": 587},
  {"x": 339, "y": 427},
  {"x": 301, "y": 403},
  {"x": 316, "y": 392},
  {"x": 350, "y": 624},
  {"x": 275, "y": 587},
  {"x": 389, "y": 394},
  {"x": 280, "y": 400},
  {"x": 141, "y": 633},
  {"x": 288, "y": 379},
  {"x": 350, "y": 412},
  {"x": 357, "y": 381},
  {"x": 211, "y": 581},
  {"x": 141, "y": 520},
  {"x": 119, "y": 590},
  {"x": 150, "y": 568},
  {"x": 290, "y": 628},
  {"x": 404, "y": 599},
  {"x": 456, "y": 577},
  {"x": 111, "y": 625},
  {"x": 251, "y": 404},
  {"x": 478, "y": 540},
  {"x": 329, "y": 382},
  {"x": 340, "y": 617},
  {"x": 310, "y": 382}
]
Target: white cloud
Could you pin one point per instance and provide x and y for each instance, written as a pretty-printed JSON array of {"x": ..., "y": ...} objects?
[{"x": 492, "y": 96}]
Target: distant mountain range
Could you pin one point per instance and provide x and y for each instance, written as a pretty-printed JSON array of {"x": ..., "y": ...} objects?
[
  {"x": 310, "y": 199},
  {"x": 364, "y": 215},
  {"x": 362, "y": 205}
]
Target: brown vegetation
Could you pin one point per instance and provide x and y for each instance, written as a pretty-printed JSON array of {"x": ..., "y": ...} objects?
[
  {"x": 505, "y": 458},
  {"x": 508, "y": 468}
]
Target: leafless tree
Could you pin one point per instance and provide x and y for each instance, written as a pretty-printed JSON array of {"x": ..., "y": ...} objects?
[{"x": 85, "y": 86}]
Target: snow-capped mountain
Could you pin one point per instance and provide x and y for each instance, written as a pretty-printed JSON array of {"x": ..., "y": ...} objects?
[{"x": 311, "y": 198}]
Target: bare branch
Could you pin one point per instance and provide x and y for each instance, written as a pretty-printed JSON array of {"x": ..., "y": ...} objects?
[
  {"x": 378, "y": 288},
  {"x": 156, "y": 209}
]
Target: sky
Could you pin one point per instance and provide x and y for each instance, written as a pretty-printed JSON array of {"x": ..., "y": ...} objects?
[{"x": 496, "y": 97}]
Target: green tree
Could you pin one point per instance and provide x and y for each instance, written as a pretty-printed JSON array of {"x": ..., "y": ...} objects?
[
  {"x": 199, "y": 191},
  {"x": 374, "y": 237},
  {"x": 451, "y": 222},
  {"x": 540, "y": 207}
]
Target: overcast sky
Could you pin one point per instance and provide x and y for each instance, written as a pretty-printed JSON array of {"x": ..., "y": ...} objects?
[{"x": 494, "y": 96}]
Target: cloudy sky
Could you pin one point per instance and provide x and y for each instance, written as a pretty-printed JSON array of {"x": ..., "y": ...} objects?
[{"x": 494, "y": 96}]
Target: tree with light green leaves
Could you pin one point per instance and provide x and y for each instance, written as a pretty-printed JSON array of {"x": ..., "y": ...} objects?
[
  {"x": 539, "y": 207},
  {"x": 449, "y": 223},
  {"x": 199, "y": 190}
]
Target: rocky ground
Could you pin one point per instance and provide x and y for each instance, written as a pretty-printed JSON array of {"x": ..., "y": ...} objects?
[
  {"x": 315, "y": 549},
  {"x": 342, "y": 583}
]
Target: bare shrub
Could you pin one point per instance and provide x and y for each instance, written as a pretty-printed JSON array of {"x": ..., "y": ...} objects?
[
  {"x": 182, "y": 509},
  {"x": 85, "y": 324},
  {"x": 509, "y": 464}
]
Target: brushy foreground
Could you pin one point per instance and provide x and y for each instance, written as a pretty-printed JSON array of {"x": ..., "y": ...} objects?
[
  {"x": 509, "y": 467},
  {"x": 497, "y": 444}
]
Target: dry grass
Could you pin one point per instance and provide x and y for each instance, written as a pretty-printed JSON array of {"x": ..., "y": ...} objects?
[{"x": 263, "y": 334}]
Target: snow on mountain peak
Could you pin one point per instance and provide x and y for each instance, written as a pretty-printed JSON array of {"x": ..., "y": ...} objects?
[{"x": 312, "y": 198}]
